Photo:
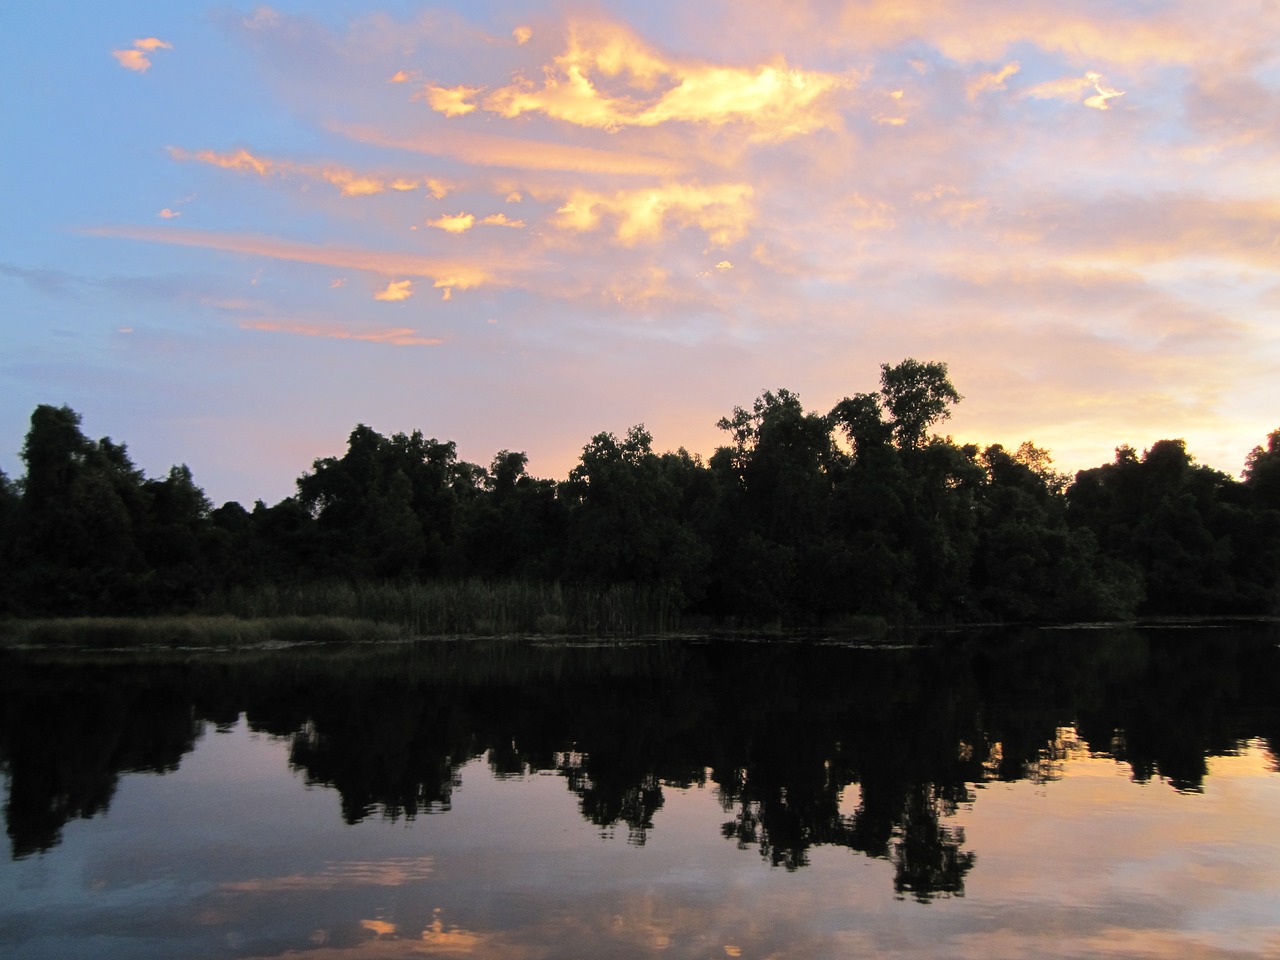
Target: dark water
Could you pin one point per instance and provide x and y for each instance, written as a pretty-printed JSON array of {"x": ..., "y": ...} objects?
[{"x": 1058, "y": 793}]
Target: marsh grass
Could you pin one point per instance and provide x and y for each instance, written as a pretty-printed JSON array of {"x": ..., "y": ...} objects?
[
  {"x": 467, "y": 607},
  {"x": 193, "y": 631}
]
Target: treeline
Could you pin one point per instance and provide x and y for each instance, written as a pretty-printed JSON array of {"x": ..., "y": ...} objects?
[{"x": 802, "y": 519}]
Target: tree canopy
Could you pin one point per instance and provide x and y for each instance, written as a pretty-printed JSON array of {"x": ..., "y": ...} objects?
[{"x": 801, "y": 518}]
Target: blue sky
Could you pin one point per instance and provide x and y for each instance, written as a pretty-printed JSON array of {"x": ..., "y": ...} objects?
[{"x": 230, "y": 233}]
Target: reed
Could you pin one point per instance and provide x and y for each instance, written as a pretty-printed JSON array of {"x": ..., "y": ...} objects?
[
  {"x": 222, "y": 630},
  {"x": 467, "y": 607}
]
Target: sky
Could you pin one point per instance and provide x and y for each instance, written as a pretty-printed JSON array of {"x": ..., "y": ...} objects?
[{"x": 229, "y": 233}]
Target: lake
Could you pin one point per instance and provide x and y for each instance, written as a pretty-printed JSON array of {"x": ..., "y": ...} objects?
[{"x": 1106, "y": 792}]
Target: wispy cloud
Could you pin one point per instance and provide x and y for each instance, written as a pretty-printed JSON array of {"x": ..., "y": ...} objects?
[
  {"x": 396, "y": 336},
  {"x": 722, "y": 211},
  {"x": 519, "y": 153},
  {"x": 135, "y": 58},
  {"x": 350, "y": 183},
  {"x": 442, "y": 271},
  {"x": 1074, "y": 89},
  {"x": 991, "y": 80},
  {"x": 395, "y": 290}
]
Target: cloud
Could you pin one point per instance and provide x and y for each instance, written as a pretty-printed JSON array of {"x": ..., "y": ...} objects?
[
  {"x": 451, "y": 101},
  {"x": 136, "y": 58},
  {"x": 168, "y": 214},
  {"x": 453, "y": 223},
  {"x": 1070, "y": 88},
  {"x": 495, "y": 150},
  {"x": 350, "y": 183},
  {"x": 396, "y": 290},
  {"x": 991, "y": 81},
  {"x": 774, "y": 100},
  {"x": 501, "y": 220},
  {"x": 522, "y": 34},
  {"x": 133, "y": 60},
  {"x": 723, "y": 211},
  {"x": 455, "y": 273},
  {"x": 397, "y": 336},
  {"x": 1102, "y": 96}
]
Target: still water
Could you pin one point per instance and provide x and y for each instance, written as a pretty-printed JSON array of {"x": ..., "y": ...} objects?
[{"x": 1078, "y": 793}]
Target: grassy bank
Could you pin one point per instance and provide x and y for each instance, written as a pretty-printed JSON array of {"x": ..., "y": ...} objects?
[
  {"x": 467, "y": 607},
  {"x": 192, "y": 631},
  {"x": 338, "y": 611}
]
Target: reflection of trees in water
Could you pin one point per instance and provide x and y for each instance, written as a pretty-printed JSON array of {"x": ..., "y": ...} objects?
[{"x": 806, "y": 746}]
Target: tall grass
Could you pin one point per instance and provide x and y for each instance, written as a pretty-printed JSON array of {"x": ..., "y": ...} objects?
[
  {"x": 192, "y": 631},
  {"x": 467, "y": 607}
]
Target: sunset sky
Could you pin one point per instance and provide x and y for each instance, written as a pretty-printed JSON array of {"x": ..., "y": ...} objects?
[{"x": 230, "y": 233}]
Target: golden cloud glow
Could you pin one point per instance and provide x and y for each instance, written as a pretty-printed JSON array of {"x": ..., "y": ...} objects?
[
  {"x": 1070, "y": 88},
  {"x": 400, "y": 76},
  {"x": 379, "y": 927},
  {"x": 460, "y": 274},
  {"x": 991, "y": 81},
  {"x": 462, "y": 280},
  {"x": 451, "y": 939},
  {"x": 349, "y": 182},
  {"x": 168, "y": 214},
  {"x": 397, "y": 336},
  {"x": 453, "y": 223},
  {"x": 151, "y": 44},
  {"x": 451, "y": 101},
  {"x": 722, "y": 211},
  {"x": 354, "y": 185},
  {"x": 239, "y": 160},
  {"x": 395, "y": 291},
  {"x": 777, "y": 101},
  {"x": 522, "y": 34},
  {"x": 489, "y": 150},
  {"x": 501, "y": 220},
  {"x": 1100, "y": 99}
]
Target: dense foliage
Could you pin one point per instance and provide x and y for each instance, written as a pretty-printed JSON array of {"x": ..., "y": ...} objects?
[{"x": 801, "y": 518}]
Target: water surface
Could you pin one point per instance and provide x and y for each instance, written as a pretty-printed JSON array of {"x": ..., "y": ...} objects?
[{"x": 1054, "y": 793}]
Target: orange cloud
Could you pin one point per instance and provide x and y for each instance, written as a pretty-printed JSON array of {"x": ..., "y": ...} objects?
[
  {"x": 398, "y": 336},
  {"x": 453, "y": 223},
  {"x": 1070, "y": 88},
  {"x": 723, "y": 211},
  {"x": 396, "y": 290},
  {"x": 349, "y": 182},
  {"x": 136, "y": 59},
  {"x": 1100, "y": 100},
  {"x": 133, "y": 60},
  {"x": 777, "y": 101},
  {"x": 522, "y": 34},
  {"x": 451, "y": 101},
  {"x": 501, "y": 220},
  {"x": 168, "y": 214},
  {"x": 455, "y": 273},
  {"x": 239, "y": 160},
  {"x": 489, "y": 150},
  {"x": 991, "y": 81}
]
